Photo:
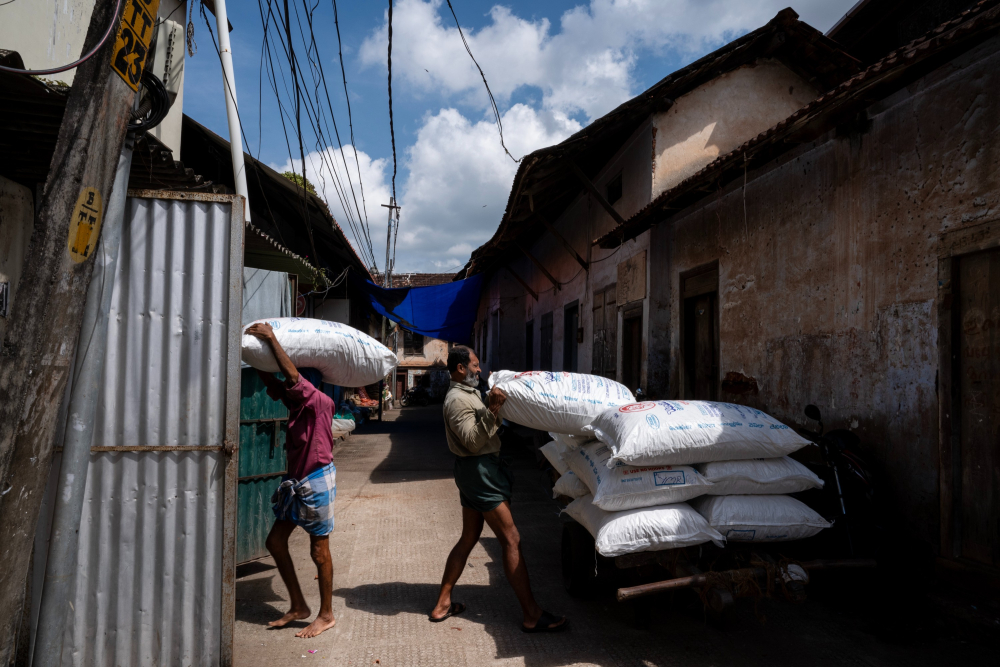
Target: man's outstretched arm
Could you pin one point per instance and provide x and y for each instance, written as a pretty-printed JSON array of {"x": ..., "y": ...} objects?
[{"x": 263, "y": 331}]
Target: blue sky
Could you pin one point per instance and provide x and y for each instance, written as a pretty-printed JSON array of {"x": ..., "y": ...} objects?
[{"x": 553, "y": 67}]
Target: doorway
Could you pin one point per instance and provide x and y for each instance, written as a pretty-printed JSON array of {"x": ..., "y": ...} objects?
[
  {"x": 632, "y": 347},
  {"x": 571, "y": 346},
  {"x": 700, "y": 334},
  {"x": 976, "y": 336},
  {"x": 546, "y": 343}
]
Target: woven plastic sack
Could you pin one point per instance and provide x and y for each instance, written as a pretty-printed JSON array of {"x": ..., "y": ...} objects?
[
  {"x": 572, "y": 442},
  {"x": 759, "y": 477},
  {"x": 344, "y": 355},
  {"x": 649, "y": 529},
  {"x": 554, "y": 453},
  {"x": 686, "y": 432},
  {"x": 760, "y": 518},
  {"x": 558, "y": 402},
  {"x": 569, "y": 485},
  {"x": 626, "y": 486}
]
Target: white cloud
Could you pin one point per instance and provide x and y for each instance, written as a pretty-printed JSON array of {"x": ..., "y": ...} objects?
[
  {"x": 458, "y": 177},
  {"x": 336, "y": 192},
  {"x": 586, "y": 66},
  {"x": 457, "y": 187}
]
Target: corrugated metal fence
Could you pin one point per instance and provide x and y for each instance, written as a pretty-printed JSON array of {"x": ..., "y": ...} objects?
[{"x": 156, "y": 562}]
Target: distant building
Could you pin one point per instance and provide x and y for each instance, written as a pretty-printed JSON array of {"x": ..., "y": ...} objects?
[{"x": 422, "y": 360}]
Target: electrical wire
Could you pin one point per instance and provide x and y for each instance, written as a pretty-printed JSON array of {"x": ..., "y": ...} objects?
[
  {"x": 392, "y": 131},
  {"x": 83, "y": 59},
  {"x": 493, "y": 102},
  {"x": 314, "y": 112},
  {"x": 350, "y": 120},
  {"x": 316, "y": 118}
]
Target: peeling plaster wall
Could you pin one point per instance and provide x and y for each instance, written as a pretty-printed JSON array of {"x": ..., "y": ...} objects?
[
  {"x": 715, "y": 118},
  {"x": 829, "y": 281}
]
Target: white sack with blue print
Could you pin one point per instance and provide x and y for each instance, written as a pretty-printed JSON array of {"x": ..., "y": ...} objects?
[
  {"x": 760, "y": 518},
  {"x": 648, "y": 529},
  {"x": 559, "y": 402},
  {"x": 686, "y": 432},
  {"x": 344, "y": 355},
  {"x": 625, "y": 486},
  {"x": 757, "y": 477}
]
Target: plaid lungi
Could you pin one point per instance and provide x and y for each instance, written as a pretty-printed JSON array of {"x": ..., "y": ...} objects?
[{"x": 308, "y": 502}]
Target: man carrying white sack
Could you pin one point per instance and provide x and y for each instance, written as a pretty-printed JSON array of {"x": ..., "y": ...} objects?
[
  {"x": 305, "y": 497},
  {"x": 484, "y": 483}
]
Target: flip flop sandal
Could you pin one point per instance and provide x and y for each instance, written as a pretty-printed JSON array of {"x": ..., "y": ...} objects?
[
  {"x": 546, "y": 623},
  {"x": 455, "y": 609}
]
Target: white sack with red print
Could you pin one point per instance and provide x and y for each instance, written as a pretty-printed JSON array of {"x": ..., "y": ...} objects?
[{"x": 685, "y": 432}]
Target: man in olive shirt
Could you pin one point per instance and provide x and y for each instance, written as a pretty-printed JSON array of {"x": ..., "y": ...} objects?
[{"x": 484, "y": 483}]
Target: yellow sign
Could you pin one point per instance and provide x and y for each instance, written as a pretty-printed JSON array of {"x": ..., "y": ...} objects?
[
  {"x": 132, "y": 43},
  {"x": 85, "y": 227}
]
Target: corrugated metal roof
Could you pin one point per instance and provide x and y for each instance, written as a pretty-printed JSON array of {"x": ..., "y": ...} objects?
[{"x": 898, "y": 69}]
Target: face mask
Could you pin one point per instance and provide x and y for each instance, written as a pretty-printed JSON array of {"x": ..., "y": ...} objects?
[{"x": 471, "y": 379}]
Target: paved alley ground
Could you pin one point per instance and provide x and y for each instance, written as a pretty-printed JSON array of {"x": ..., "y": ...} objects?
[{"x": 397, "y": 516}]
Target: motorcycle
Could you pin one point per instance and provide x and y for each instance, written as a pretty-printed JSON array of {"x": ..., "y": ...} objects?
[
  {"x": 417, "y": 396},
  {"x": 849, "y": 492}
]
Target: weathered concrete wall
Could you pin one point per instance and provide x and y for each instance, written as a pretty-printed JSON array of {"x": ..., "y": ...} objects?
[
  {"x": 829, "y": 280},
  {"x": 17, "y": 219},
  {"x": 435, "y": 354},
  {"x": 717, "y": 117}
]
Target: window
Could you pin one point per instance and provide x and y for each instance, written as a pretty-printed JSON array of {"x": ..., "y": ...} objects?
[
  {"x": 571, "y": 347},
  {"x": 529, "y": 345},
  {"x": 413, "y": 344},
  {"x": 546, "y": 343},
  {"x": 613, "y": 190}
]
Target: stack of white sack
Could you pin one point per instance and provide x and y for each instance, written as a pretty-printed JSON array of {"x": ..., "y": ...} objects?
[
  {"x": 344, "y": 355},
  {"x": 742, "y": 467},
  {"x": 648, "y": 529},
  {"x": 561, "y": 402}
]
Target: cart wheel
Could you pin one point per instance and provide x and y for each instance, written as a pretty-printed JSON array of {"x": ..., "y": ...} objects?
[
  {"x": 719, "y": 608},
  {"x": 578, "y": 561}
]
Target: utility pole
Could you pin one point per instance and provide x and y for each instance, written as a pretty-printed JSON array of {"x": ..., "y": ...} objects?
[
  {"x": 389, "y": 261},
  {"x": 36, "y": 356},
  {"x": 232, "y": 111}
]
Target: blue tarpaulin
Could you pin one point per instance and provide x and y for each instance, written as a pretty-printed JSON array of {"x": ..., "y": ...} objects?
[{"x": 447, "y": 312}]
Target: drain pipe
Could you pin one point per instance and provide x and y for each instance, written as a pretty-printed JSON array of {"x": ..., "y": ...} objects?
[
  {"x": 88, "y": 376},
  {"x": 232, "y": 111}
]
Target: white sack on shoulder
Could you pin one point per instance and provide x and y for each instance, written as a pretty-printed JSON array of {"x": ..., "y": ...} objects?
[
  {"x": 572, "y": 441},
  {"x": 686, "y": 432},
  {"x": 759, "y": 477},
  {"x": 760, "y": 518},
  {"x": 650, "y": 529},
  {"x": 344, "y": 355},
  {"x": 569, "y": 485},
  {"x": 558, "y": 402},
  {"x": 554, "y": 452},
  {"x": 626, "y": 486}
]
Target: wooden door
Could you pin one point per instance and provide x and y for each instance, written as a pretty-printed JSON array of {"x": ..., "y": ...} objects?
[
  {"x": 632, "y": 351},
  {"x": 978, "y": 385},
  {"x": 700, "y": 340}
]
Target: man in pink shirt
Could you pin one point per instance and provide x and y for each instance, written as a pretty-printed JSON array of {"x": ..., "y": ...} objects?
[{"x": 305, "y": 497}]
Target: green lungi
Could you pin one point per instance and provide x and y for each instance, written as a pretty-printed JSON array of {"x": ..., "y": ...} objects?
[{"x": 483, "y": 481}]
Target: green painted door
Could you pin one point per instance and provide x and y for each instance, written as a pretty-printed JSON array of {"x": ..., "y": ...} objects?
[{"x": 263, "y": 423}]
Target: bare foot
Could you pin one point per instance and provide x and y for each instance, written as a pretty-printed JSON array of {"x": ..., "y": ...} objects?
[
  {"x": 320, "y": 625},
  {"x": 293, "y": 615}
]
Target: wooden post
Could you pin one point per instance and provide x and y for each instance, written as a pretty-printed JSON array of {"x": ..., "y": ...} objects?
[
  {"x": 587, "y": 183},
  {"x": 539, "y": 266},
  {"x": 36, "y": 355}
]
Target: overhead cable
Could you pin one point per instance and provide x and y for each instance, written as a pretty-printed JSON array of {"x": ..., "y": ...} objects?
[{"x": 493, "y": 102}]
